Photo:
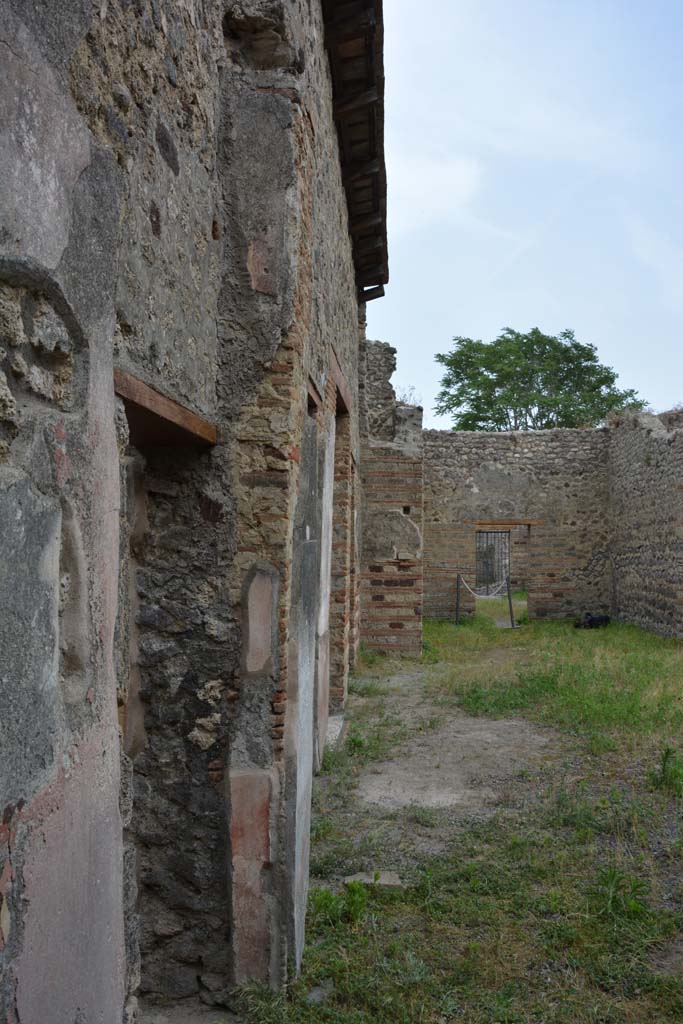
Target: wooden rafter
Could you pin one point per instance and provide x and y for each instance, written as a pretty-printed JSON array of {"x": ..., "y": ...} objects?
[{"x": 354, "y": 36}]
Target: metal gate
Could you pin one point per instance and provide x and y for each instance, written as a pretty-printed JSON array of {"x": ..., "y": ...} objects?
[{"x": 492, "y": 558}]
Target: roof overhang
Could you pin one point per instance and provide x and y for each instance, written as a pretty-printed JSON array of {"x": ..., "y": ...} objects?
[{"x": 354, "y": 37}]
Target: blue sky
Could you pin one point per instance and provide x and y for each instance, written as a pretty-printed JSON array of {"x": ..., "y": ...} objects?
[{"x": 535, "y": 164}]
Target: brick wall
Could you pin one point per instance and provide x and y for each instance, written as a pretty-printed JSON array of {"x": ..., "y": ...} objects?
[
  {"x": 391, "y": 460},
  {"x": 391, "y": 587},
  {"x": 549, "y": 489},
  {"x": 519, "y": 556}
]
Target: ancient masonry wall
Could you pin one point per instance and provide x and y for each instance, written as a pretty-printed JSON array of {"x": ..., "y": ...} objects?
[
  {"x": 392, "y": 469},
  {"x": 196, "y": 237},
  {"x": 61, "y": 913},
  {"x": 646, "y": 521},
  {"x": 145, "y": 78},
  {"x": 553, "y": 486},
  {"x": 297, "y": 300}
]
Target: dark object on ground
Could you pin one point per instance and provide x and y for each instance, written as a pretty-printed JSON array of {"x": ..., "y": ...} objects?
[{"x": 592, "y": 621}]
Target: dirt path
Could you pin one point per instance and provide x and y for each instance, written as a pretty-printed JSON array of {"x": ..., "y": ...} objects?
[
  {"x": 442, "y": 770},
  {"x": 463, "y": 764},
  {"x": 187, "y": 1012}
]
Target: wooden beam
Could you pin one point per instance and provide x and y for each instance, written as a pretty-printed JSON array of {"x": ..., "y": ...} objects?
[
  {"x": 361, "y": 170},
  {"x": 354, "y": 42},
  {"x": 505, "y": 523},
  {"x": 365, "y": 246},
  {"x": 357, "y": 227},
  {"x": 351, "y": 27},
  {"x": 357, "y": 102},
  {"x": 372, "y": 275},
  {"x": 351, "y": 48},
  {"x": 155, "y": 419}
]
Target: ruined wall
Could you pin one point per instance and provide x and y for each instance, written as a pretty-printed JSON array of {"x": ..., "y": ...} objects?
[
  {"x": 555, "y": 482},
  {"x": 673, "y": 419},
  {"x": 145, "y": 79},
  {"x": 245, "y": 697},
  {"x": 290, "y": 287},
  {"x": 195, "y": 234},
  {"x": 61, "y": 918},
  {"x": 646, "y": 523},
  {"x": 392, "y": 469}
]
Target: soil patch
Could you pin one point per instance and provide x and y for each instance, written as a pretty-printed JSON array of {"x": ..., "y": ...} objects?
[
  {"x": 191, "y": 1012},
  {"x": 466, "y": 765}
]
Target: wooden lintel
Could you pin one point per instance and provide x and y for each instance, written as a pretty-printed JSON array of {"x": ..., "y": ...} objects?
[
  {"x": 344, "y": 399},
  {"x": 154, "y": 419},
  {"x": 314, "y": 395},
  {"x": 484, "y": 524},
  {"x": 361, "y": 100}
]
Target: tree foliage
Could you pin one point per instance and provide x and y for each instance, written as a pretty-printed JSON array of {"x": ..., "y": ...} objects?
[{"x": 530, "y": 381}]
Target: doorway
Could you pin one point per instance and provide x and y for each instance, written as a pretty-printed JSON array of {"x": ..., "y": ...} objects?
[{"x": 494, "y": 577}]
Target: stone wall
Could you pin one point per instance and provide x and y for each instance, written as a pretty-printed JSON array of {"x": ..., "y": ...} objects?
[
  {"x": 392, "y": 468},
  {"x": 194, "y": 233},
  {"x": 145, "y": 78},
  {"x": 594, "y": 517},
  {"x": 290, "y": 288},
  {"x": 646, "y": 492},
  {"x": 553, "y": 483},
  {"x": 61, "y": 912},
  {"x": 673, "y": 419}
]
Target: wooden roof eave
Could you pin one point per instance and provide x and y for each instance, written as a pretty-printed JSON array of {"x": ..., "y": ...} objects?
[{"x": 354, "y": 36}]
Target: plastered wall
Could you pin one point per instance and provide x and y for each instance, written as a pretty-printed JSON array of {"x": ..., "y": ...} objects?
[
  {"x": 181, "y": 217},
  {"x": 61, "y": 911}
]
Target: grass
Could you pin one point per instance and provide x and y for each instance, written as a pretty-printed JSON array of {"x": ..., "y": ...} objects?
[
  {"x": 557, "y": 911},
  {"x": 604, "y": 685},
  {"x": 497, "y": 609},
  {"x": 669, "y": 773}
]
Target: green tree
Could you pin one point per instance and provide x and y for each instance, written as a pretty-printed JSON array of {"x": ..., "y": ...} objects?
[{"x": 530, "y": 381}]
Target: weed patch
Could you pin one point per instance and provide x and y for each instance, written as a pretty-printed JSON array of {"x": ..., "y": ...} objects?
[
  {"x": 621, "y": 682},
  {"x": 668, "y": 776},
  {"x": 554, "y": 912}
]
